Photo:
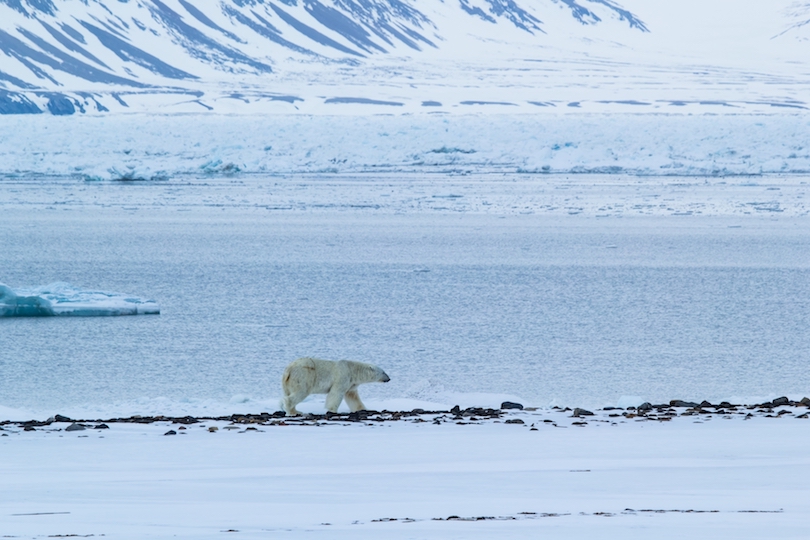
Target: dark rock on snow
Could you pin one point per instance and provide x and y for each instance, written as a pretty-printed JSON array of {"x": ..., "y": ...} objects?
[
  {"x": 511, "y": 405},
  {"x": 582, "y": 412},
  {"x": 75, "y": 427},
  {"x": 681, "y": 403}
]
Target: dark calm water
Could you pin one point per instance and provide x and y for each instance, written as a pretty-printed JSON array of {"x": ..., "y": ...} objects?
[{"x": 574, "y": 310}]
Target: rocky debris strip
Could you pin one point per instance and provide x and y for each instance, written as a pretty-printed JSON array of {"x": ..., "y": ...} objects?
[{"x": 509, "y": 413}]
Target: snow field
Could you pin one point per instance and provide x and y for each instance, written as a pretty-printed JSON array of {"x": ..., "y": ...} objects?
[{"x": 729, "y": 478}]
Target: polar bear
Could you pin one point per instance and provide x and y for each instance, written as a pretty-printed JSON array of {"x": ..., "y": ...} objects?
[{"x": 338, "y": 380}]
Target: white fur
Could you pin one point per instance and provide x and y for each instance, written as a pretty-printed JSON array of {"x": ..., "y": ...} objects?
[{"x": 338, "y": 380}]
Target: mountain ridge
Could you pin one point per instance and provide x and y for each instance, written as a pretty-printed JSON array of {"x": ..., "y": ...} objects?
[{"x": 90, "y": 56}]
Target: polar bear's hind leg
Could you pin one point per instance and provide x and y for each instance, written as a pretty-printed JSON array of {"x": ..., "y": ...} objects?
[
  {"x": 295, "y": 385},
  {"x": 289, "y": 403}
]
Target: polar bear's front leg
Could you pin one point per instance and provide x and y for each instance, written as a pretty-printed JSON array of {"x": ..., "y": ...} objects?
[
  {"x": 334, "y": 397},
  {"x": 353, "y": 400}
]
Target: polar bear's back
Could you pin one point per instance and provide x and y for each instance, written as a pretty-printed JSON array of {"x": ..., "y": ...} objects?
[{"x": 313, "y": 374}]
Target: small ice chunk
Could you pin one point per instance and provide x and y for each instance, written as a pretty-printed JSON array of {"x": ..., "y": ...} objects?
[
  {"x": 630, "y": 401},
  {"x": 63, "y": 299}
]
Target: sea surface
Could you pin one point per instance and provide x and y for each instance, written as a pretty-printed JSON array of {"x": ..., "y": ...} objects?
[{"x": 569, "y": 310}]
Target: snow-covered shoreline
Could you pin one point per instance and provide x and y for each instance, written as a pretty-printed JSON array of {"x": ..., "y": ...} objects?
[
  {"x": 621, "y": 476},
  {"x": 143, "y": 147}
]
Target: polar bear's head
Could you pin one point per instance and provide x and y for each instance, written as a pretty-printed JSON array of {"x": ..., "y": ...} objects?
[{"x": 364, "y": 373}]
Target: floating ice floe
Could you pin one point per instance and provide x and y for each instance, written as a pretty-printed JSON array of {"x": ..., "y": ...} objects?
[{"x": 66, "y": 300}]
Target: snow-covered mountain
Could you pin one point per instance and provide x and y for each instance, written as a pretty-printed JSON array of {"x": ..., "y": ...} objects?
[{"x": 67, "y": 56}]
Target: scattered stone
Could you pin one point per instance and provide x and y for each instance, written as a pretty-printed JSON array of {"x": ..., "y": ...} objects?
[
  {"x": 580, "y": 424},
  {"x": 514, "y": 421},
  {"x": 805, "y": 401},
  {"x": 681, "y": 403},
  {"x": 646, "y": 406},
  {"x": 355, "y": 416},
  {"x": 478, "y": 411},
  {"x": 705, "y": 404},
  {"x": 511, "y": 405},
  {"x": 781, "y": 401},
  {"x": 60, "y": 418},
  {"x": 456, "y": 410},
  {"x": 213, "y": 429},
  {"x": 102, "y": 426},
  {"x": 29, "y": 428},
  {"x": 182, "y": 427},
  {"x": 75, "y": 427},
  {"x": 37, "y": 423},
  {"x": 581, "y": 412},
  {"x": 171, "y": 432},
  {"x": 802, "y": 415}
]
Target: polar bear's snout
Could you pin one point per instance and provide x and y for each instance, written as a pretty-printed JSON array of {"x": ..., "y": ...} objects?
[{"x": 385, "y": 377}]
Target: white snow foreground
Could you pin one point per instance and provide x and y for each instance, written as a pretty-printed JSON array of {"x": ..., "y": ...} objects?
[
  {"x": 613, "y": 477},
  {"x": 63, "y": 299},
  {"x": 149, "y": 147}
]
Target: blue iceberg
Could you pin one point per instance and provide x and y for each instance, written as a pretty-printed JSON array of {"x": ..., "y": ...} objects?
[{"x": 63, "y": 299}]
